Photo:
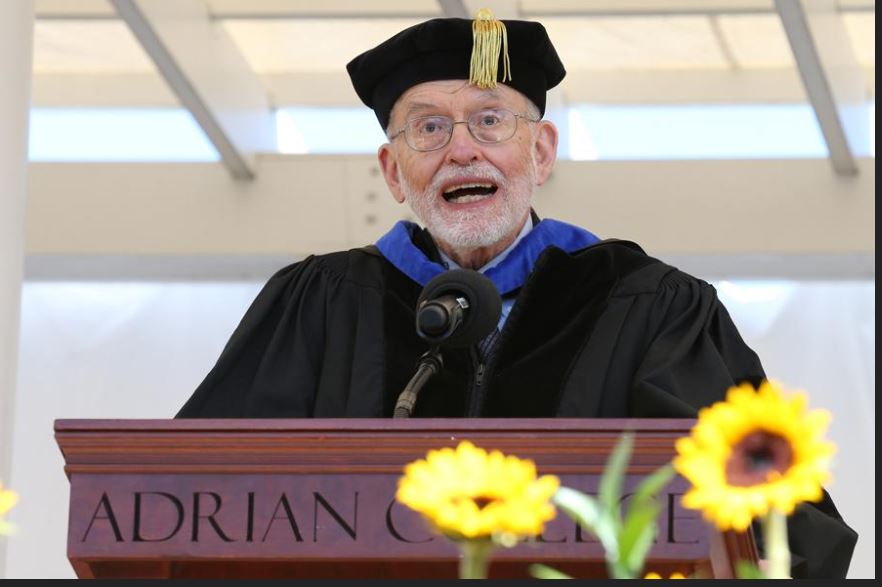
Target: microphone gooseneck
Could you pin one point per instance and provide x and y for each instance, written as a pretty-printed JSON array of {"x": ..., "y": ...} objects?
[
  {"x": 429, "y": 364},
  {"x": 456, "y": 309}
]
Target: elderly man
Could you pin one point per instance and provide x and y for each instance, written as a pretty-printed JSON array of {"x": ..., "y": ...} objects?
[{"x": 589, "y": 328}]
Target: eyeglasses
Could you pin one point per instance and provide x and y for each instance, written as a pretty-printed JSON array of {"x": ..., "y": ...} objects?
[{"x": 429, "y": 133}]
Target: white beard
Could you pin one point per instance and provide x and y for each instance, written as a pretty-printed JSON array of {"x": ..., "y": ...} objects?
[{"x": 472, "y": 229}]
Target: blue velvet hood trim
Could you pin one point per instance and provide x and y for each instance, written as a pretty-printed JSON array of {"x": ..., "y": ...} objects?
[{"x": 398, "y": 248}]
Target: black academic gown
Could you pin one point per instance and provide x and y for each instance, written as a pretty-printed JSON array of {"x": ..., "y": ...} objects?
[{"x": 603, "y": 332}]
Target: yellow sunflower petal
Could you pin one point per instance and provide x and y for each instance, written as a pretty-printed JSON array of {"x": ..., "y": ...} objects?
[
  {"x": 8, "y": 499},
  {"x": 702, "y": 458},
  {"x": 469, "y": 492}
]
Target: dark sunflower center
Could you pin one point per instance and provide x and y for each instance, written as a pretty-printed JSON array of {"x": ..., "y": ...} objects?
[
  {"x": 756, "y": 457},
  {"x": 481, "y": 501}
]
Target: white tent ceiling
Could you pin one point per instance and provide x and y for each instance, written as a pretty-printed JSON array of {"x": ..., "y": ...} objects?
[{"x": 282, "y": 37}]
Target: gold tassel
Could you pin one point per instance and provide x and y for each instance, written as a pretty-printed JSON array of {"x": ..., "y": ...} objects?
[{"x": 489, "y": 36}]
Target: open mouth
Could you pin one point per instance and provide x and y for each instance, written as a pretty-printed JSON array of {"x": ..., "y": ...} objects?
[{"x": 470, "y": 192}]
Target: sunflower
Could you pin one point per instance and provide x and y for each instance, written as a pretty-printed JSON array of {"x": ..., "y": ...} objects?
[
  {"x": 472, "y": 494},
  {"x": 758, "y": 451},
  {"x": 8, "y": 498}
]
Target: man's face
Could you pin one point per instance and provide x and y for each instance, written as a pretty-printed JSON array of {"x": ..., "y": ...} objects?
[{"x": 468, "y": 194}]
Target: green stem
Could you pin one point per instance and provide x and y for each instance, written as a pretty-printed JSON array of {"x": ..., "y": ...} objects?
[
  {"x": 616, "y": 571},
  {"x": 777, "y": 549},
  {"x": 474, "y": 558},
  {"x": 616, "y": 568}
]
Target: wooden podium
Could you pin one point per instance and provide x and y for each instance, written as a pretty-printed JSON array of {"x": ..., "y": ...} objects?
[{"x": 315, "y": 498}]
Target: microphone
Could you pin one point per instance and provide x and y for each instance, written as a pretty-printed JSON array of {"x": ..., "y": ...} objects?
[{"x": 456, "y": 309}]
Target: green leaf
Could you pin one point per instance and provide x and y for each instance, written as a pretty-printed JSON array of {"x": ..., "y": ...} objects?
[
  {"x": 579, "y": 506},
  {"x": 610, "y": 490},
  {"x": 640, "y": 523},
  {"x": 748, "y": 570},
  {"x": 545, "y": 572},
  {"x": 586, "y": 510},
  {"x": 652, "y": 485},
  {"x": 637, "y": 535}
]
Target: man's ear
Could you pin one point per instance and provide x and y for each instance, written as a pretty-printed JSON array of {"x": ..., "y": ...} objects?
[
  {"x": 389, "y": 165},
  {"x": 545, "y": 150}
]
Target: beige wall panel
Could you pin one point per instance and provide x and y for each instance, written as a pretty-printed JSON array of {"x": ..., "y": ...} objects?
[
  {"x": 708, "y": 207},
  {"x": 294, "y": 204},
  {"x": 370, "y": 207},
  {"x": 786, "y": 218}
]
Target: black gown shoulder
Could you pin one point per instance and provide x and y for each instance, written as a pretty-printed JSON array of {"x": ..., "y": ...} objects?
[{"x": 302, "y": 338}]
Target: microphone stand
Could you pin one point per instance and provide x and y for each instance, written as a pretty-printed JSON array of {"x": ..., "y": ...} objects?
[{"x": 429, "y": 364}]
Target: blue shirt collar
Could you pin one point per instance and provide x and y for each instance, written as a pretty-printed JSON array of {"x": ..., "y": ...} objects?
[
  {"x": 451, "y": 264},
  {"x": 508, "y": 275}
]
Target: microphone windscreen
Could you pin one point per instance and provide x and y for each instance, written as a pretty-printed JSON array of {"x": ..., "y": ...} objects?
[{"x": 485, "y": 304}]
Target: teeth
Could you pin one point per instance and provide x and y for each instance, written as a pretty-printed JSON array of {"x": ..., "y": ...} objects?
[
  {"x": 467, "y": 199},
  {"x": 467, "y": 186}
]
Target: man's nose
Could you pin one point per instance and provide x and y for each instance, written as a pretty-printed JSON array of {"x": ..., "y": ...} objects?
[{"x": 463, "y": 148}]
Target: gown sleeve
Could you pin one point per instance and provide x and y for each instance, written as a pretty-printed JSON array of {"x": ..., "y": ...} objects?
[
  {"x": 693, "y": 356},
  {"x": 269, "y": 366},
  {"x": 694, "y": 352}
]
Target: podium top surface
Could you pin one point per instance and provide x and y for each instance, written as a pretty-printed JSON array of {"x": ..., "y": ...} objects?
[
  {"x": 548, "y": 425},
  {"x": 381, "y": 445}
]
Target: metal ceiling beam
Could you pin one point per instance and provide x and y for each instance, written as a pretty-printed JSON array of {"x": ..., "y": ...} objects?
[
  {"x": 209, "y": 76},
  {"x": 821, "y": 51},
  {"x": 453, "y": 8},
  {"x": 723, "y": 42}
]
